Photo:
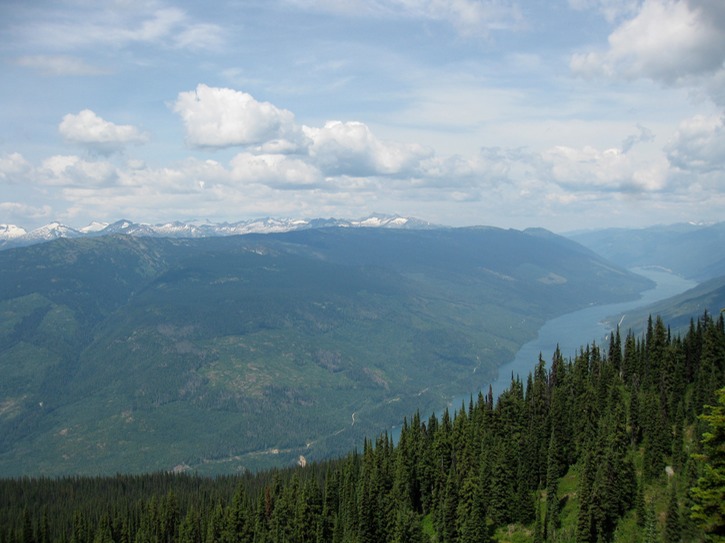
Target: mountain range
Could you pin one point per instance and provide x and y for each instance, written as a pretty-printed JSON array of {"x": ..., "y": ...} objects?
[
  {"x": 132, "y": 354},
  {"x": 17, "y": 236},
  {"x": 131, "y": 347}
]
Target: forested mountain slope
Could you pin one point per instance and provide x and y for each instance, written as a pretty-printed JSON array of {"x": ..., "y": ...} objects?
[
  {"x": 605, "y": 447},
  {"x": 130, "y": 354}
]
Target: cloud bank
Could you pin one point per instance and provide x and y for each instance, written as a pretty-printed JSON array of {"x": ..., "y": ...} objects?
[{"x": 344, "y": 165}]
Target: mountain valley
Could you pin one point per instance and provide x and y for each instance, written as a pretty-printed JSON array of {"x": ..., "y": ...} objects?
[{"x": 134, "y": 354}]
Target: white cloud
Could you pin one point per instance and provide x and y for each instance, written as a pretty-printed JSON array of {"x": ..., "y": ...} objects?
[
  {"x": 277, "y": 171},
  {"x": 188, "y": 177},
  {"x": 667, "y": 41},
  {"x": 222, "y": 117},
  {"x": 609, "y": 170},
  {"x": 24, "y": 211},
  {"x": 13, "y": 167},
  {"x": 489, "y": 167},
  {"x": 89, "y": 129},
  {"x": 70, "y": 170},
  {"x": 351, "y": 148},
  {"x": 698, "y": 145}
]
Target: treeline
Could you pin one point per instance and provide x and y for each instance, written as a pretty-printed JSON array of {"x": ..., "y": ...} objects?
[{"x": 619, "y": 420}]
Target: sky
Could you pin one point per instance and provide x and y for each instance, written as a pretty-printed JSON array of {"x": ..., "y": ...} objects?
[{"x": 562, "y": 114}]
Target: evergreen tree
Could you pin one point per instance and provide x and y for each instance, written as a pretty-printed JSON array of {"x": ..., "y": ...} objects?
[
  {"x": 27, "y": 533},
  {"x": 369, "y": 501},
  {"x": 103, "y": 531},
  {"x": 673, "y": 526},
  {"x": 503, "y": 476},
  {"x": 190, "y": 527},
  {"x": 471, "y": 513},
  {"x": 448, "y": 525},
  {"x": 215, "y": 526},
  {"x": 709, "y": 494},
  {"x": 538, "y": 523},
  {"x": 407, "y": 527},
  {"x": 551, "y": 522},
  {"x": 585, "y": 521},
  {"x": 678, "y": 458},
  {"x": 650, "y": 534},
  {"x": 640, "y": 505}
]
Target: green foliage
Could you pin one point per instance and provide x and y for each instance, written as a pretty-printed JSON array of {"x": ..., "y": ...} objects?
[{"x": 465, "y": 478}]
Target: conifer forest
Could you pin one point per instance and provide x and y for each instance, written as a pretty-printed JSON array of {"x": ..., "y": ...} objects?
[{"x": 623, "y": 442}]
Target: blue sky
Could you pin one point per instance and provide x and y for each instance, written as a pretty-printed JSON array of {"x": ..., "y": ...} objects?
[{"x": 563, "y": 114}]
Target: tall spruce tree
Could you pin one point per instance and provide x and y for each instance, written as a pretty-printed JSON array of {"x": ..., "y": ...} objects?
[
  {"x": 709, "y": 494},
  {"x": 673, "y": 524}
]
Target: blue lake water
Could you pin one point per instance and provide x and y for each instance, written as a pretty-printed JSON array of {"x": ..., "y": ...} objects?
[{"x": 580, "y": 328}]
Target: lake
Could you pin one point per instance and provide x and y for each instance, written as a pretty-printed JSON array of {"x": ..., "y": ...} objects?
[{"x": 580, "y": 328}]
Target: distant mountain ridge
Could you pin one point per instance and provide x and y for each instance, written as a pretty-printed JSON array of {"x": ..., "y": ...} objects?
[
  {"x": 16, "y": 236},
  {"x": 695, "y": 251}
]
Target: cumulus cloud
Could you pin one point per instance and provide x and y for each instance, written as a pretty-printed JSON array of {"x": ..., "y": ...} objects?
[
  {"x": 667, "y": 41},
  {"x": 70, "y": 170},
  {"x": 89, "y": 129},
  {"x": 190, "y": 176},
  {"x": 13, "y": 167},
  {"x": 698, "y": 145},
  {"x": 609, "y": 170},
  {"x": 277, "y": 171},
  {"x": 222, "y": 117},
  {"x": 491, "y": 166},
  {"x": 351, "y": 148}
]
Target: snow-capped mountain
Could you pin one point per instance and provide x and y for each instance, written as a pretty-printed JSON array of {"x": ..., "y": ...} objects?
[
  {"x": 15, "y": 236},
  {"x": 94, "y": 227},
  {"x": 11, "y": 232},
  {"x": 50, "y": 231}
]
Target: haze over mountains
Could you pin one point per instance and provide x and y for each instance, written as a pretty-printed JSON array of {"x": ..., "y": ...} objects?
[
  {"x": 695, "y": 251},
  {"x": 130, "y": 353}
]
